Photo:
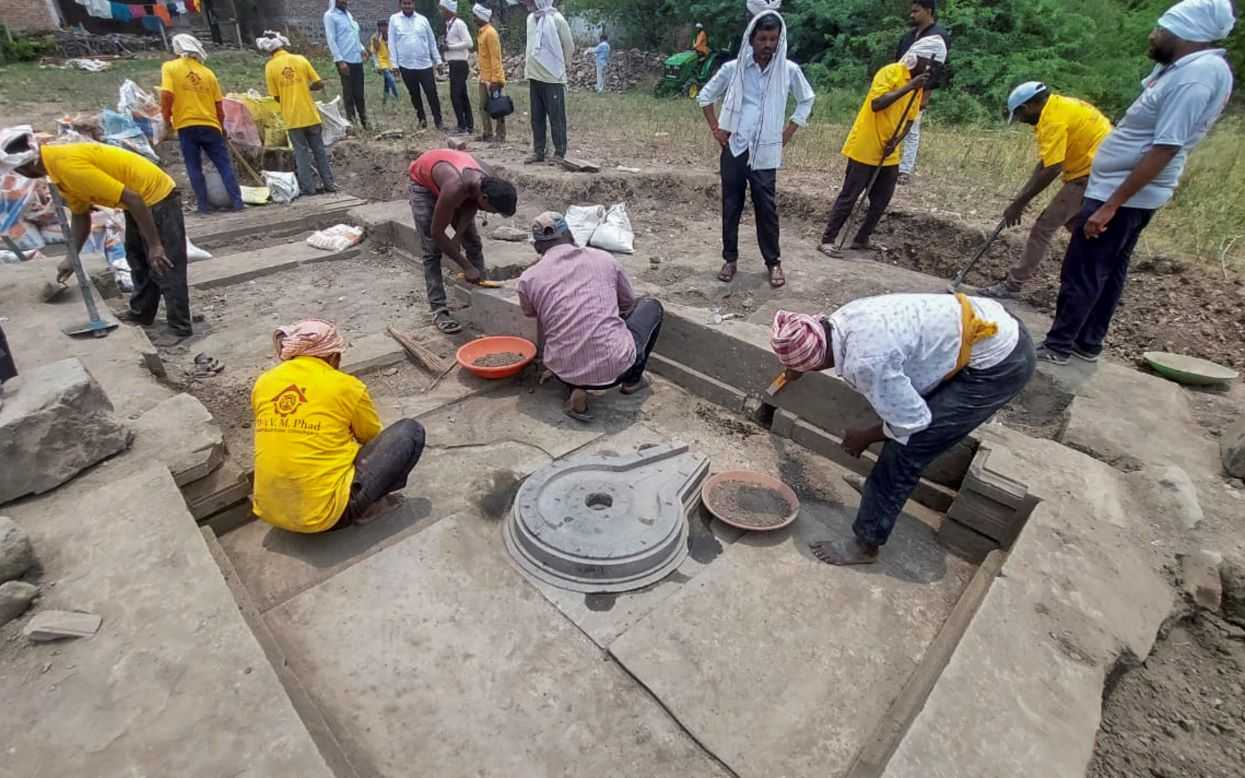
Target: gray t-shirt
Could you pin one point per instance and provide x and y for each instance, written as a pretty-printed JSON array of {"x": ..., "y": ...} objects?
[{"x": 1177, "y": 106}]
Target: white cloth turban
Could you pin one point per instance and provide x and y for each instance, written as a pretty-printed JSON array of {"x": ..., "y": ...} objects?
[
  {"x": 1199, "y": 21},
  {"x": 450, "y": 5},
  {"x": 188, "y": 46},
  {"x": 12, "y": 161},
  {"x": 271, "y": 41},
  {"x": 930, "y": 47},
  {"x": 482, "y": 12}
]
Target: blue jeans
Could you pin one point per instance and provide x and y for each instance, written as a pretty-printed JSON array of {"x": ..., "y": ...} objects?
[
  {"x": 958, "y": 407},
  {"x": 391, "y": 84},
  {"x": 209, "y": 140}
]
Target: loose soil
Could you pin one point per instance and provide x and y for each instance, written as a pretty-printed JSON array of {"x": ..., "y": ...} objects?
[
  {"x": 500, "y": 359},
  {"x": 751, "y": 505},
  {"x": 1182, "y": 713}
]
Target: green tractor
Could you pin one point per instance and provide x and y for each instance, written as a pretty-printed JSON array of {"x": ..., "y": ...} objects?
[{"x": 686, "y": 72}]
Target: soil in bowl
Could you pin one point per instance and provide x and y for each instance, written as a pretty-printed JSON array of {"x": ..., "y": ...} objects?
[
  {"x": 500, "y": 359},
  {"x": 752, "y": 505}
]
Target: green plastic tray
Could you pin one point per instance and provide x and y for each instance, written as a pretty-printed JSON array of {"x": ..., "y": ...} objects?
[{"x": 1189, "y": 370}]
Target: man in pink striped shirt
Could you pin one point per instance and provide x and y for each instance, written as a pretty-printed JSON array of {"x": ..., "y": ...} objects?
[{"x": 596, "y": 334}]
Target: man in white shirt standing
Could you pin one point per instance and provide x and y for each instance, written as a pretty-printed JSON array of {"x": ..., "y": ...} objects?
[
  {"x": 413, "y": 50},
  {"x": 752, "y": 131},
  {"x": 457, "y": 44},
  {"x": 549, "y": 48},
  {"x": 934, "y": 367}
]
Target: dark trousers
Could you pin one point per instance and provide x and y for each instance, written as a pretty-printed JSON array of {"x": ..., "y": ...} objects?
[
  {"x": 737, "y": 178},
  {"x": 309, "y": 152},
  {"x": 958, "y": 407},
  {"x": 459, "y": 72},
  {"x": 644, "y": 322},
  {"x": 854, "y": 183},
  {"x": 548, "y": 103},
  {"x": 423, "y": 202},
  {"x": 352, "y": 92},
  {"x": 382, "y": 466},
  {"x": 196, "y": 141},
  {"x": 1092, "y": 280},
  {"x": 171, "y": 284},
  {"x": 424, "y": 79}
]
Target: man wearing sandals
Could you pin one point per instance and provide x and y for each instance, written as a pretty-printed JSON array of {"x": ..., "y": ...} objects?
[
  {"x": 447, "y": 188},
  {"x": 752, "y": 131},
  {"x": 595, "y": 333}
]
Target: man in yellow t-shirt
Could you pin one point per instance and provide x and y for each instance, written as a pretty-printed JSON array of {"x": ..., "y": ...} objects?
[
  {"x": 492, "y": 74},
  {"x": 190, "y": 99},
  {"x": 378, "y": 47},
  {"x": 93, "y": 174},
  {"x": 321, "y": 458},
  {"x": 1067, "y": 131},
  {"x": 889, "y": 110},
  {"x": 291, "y": 80}
]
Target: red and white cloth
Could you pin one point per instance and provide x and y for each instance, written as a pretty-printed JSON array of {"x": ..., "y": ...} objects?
[
  {"x": 799, "y": 340},
  {"x": 310, "y": 338}
]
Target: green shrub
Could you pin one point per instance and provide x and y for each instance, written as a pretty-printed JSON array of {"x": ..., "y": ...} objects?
[{"x": 24, "y": 48}]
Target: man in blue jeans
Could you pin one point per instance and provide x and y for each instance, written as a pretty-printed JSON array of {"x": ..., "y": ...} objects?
[
  {"x": 933, "y": 367},
  {"x": 1136, "y": 170},
  {"x": 190, "y": 100}
]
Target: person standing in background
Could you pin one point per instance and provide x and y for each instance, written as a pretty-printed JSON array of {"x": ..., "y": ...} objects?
[
  {"x": 549, "y": 48},
  {"x": 190, "y": 102},
  {"x": 342, "y": 33},
  {"x": 378, "y": 48},
  {"x": 701, "y": 46},
  {"x": 291, "y": 80},
  {"x": 602, "y": 53},
  {"x": 492, "y": 74},
  {"x": 457, "y": 45},
  {"x": 922, "y": 19},
  {"x": 413, "y": 48}
]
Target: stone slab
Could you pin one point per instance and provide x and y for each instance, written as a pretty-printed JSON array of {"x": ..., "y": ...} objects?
[
  {"x": 1232, "y": 448},
  {"x": 181, "y": 433},
  {"x": 782, "y": 665},
  {"x": 464, "y": 669},
  {"x": 238, "y": 268},
  {"x": 173, "y": 683},
  {"x": 54, "y": 625},
  {"x": 371, "y": 352},
  {"x": 55, "y": 422},
  {"x": 304, "y": 214},
  {"x": 225, "y": 486}
]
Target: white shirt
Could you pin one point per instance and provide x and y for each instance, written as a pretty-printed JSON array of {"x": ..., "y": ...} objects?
[
  {"x": 894, "y": 349},
  {"x": 411, "y": 42},
  {"x": 755, "y": 82},
  {"x": 457, "y": 41}
]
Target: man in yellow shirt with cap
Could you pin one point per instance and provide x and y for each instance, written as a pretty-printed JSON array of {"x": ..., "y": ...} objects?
[
  {"x": 1068, "y": 132},
  {"x": 93, "y": 174},
  {"x": 291, "y": 80}
]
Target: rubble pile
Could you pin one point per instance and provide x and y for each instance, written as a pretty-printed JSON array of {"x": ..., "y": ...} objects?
[{"x": 627, "y": 69}]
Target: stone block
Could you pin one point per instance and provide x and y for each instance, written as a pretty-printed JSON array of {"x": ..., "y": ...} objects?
[
  {"x": 54, "y": 625},
  {"x": 16, "y": 554},
  {"x": 1199, "y": 576},
  {"x": 56, "y": 421},
  {"x": 965, "y": 542},
  {"x": 1168, "y": 492},
  {"x": 181, "y": 433},
  {"x": 1232, "y": 574},
  {"x": 15, "y": 598},
  {"x": 371, "y": 352},
  {"x": 1232, "y": 448},
  {"x": 226, "y": 486}
]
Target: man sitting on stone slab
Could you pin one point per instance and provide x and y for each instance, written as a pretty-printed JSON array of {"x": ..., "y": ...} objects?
[
  {"x": 322, "y": 460},
  {"x": 933, "y": 367},
  {"x": 595, "y": 333},
  {"x": 447, "y": 188},
  {"x": 94, "y": 174}
]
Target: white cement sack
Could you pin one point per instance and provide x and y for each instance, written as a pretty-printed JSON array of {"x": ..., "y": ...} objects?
[
  {"x": 334, "y": 124},
  {"x": 614, "y": 233},
  {"x": 193, "y": 252},
  {"x": 339, "y": 237},
  {"x": 282, "y": 187},
  {"x": 583, "y": 221},
  {"x": 217, "y": 196}
]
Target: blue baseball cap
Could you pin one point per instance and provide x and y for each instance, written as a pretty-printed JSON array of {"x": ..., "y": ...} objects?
[{"x": 1021, "y": 95}]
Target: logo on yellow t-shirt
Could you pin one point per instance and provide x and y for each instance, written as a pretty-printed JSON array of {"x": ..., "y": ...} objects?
[
  {"x": 288, "y": 75},
  {"x": 288, "y": 401}
]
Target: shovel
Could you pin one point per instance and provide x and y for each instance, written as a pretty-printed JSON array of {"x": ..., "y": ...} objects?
[
  {"x": 94, "y": 325},
  {"x": 954, "y": 286}
]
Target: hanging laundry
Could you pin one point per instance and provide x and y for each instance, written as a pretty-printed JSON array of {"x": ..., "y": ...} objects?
[
  {"x": 121, "y": 12},
  {"x": 151, "y": 23},
  {"x": 100, "y": 9},
  {"x": 162, "y": 11},
  {"x": 180, "y": 8},
  {"x": 137, "y": 11},
  {"x": 192, "y": 6}
]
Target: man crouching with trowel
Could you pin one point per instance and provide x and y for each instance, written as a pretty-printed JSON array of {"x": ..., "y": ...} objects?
[
  {"x": 933, "y": 367},
  {"x": 447, "y": 188}
]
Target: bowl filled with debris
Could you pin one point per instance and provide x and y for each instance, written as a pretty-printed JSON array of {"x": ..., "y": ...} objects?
[
  {"x": 750, "y": 500},
  {"x": 497, "y": 356}
]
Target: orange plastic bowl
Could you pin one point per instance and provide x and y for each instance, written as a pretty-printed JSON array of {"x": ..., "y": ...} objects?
[{"x": 496, "y": 344}]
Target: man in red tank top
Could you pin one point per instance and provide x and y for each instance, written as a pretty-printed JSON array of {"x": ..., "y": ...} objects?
[{"x": 447, "y": 188}]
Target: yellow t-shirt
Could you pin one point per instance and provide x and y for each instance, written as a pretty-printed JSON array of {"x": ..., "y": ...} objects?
[
  {"x": 195, "y": 92},
  {"x": 290, "y": 77},
  {"x": 1069, "y": 131},
  {"x": 310, "y": 421},
  {"x": 872, "y": 129},
  {"x": 488, "y": 45},
  {"x": 380, "y": 50},
  {"x": 95, "y": 174}
]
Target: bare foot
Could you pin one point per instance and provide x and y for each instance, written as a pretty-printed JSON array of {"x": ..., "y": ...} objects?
[
  {"x": 844, "y": 552},
  {"x": 576, "y": 406},
  {"x": 633, "y": 388}
]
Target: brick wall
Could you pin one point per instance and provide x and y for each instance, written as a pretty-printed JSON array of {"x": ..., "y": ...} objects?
[
  {"x": 29, "y": 15},
  {"x": 305, "y": 18}
]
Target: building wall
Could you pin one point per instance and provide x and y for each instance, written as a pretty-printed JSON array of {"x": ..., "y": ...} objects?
[
  {"x": 29, "y": 15},
  {"x": 305, "y": 18}
]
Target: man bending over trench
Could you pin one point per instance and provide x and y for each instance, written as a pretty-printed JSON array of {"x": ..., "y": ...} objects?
[
  {"x": 447, "y": 188},
  {"x": 933, "y": 366},
  {"x": 321, "y": 459}
]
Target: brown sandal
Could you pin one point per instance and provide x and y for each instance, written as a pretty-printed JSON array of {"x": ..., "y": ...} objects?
[
  {"x": 727, "y": 273},
  {"x": 776, "y": 278}
]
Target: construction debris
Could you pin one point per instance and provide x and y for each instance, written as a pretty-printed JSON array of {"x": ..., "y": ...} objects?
[
  {"x": 16, "y": 554},
  {"x": 1199, "y": 575},
  {"x": 507, "y": 233},
  {"x": 1232, "y": 448},
  {"x": 54, "y": 625},
  {"x": 627, "y": 69},
  {"x": 15, "y": 598}
]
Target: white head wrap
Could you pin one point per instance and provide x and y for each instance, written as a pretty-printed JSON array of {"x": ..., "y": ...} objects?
[
  {"x": 9, "y": 162},
  {"x": 774, "y": 103},
  {"x": 450, "y": 5},
  {"x": 930, "y": 47},
  {"x": 1199, "y": 21},
  {"x": 188, "y": 46},
  {"x": 548, "y": 44},
  {"x": 271, "y": 41},
  {"x": 482, "y": 12}
]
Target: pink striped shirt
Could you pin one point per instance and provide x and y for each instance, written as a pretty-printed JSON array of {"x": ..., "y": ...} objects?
[{"x": 578, "y": 295}]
